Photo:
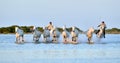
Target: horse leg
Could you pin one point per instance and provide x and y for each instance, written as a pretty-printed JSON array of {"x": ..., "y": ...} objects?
[
  {"x": 104, "y": 33},
  {"x": 97, "y": 31},
  {"x": 44, "y": 39},
  {"x": 64, "y": 40},
  {"x": 67, "y": 39},
  {"x": 72, "y": 38},
  {"x": 16, "y": 39},
  {"x": 22, "y": 38},
  {"x": 53, "y": 38},
  {"x": 89, "y": 40},
  {"x": 98, "y": 35},
  {"x": 56, "y": 39},
  {"x": 75, "y": 39},
  {"x": 33, "y": 38},
  {"x": 37, "y": 39},
  {"x": 48, "y": 39}
]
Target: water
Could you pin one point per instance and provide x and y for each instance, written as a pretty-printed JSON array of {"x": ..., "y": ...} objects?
[{"x": 102, "y": 51}]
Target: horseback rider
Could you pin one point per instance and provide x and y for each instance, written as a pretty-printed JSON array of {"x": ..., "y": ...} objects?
[
  {"x": 50, "y": 26},
  {"x": 104, "y": 27}
]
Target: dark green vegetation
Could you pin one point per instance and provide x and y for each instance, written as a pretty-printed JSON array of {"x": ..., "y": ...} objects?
[
  {"x": 27, "y": 29},
  {"x": 113, "y": 31}
]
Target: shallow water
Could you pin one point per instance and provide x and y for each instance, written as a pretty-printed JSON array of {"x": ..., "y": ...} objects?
[{"x": 102, "y": 51}]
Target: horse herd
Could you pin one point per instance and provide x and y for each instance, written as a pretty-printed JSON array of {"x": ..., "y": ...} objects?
[{"x": 55, "y": 34}]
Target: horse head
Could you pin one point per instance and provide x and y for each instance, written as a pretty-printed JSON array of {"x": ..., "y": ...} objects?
[
  {"x": 16, "y": 28},
  {"x": 64, "y": 28},
  {"x": 36, "y": 34},
  {"x": 19, "y": 34},
  {"x": 73, "y": 28}
]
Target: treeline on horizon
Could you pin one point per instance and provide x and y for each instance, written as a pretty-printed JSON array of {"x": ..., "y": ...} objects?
[{"x": 27, "y": 29}]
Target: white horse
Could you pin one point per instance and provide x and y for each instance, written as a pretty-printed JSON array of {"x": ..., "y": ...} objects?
[
  {"x": 74, "y": 34},
  {"x": 100, "y": 34},
  {"x": 90, "y": 34},
  {"x": 65, "y": 35},
  {"x": 55, "y": 34},
  {"x": 36, "y": 34},
  {"x": 46, "y": 35},
  {"x": 19, "y": 35}
]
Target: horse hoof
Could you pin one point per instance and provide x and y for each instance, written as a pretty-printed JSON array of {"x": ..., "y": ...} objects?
[
  {"x": 90, "y": 42},
  {"x": 65, "y": 42}
]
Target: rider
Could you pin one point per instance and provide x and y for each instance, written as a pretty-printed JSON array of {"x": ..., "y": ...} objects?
[
  {"x": 104, "y": 27},
  {"x": 50, "y": 26}
]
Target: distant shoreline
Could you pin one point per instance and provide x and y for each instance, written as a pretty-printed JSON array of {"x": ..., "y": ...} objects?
[
  {"x": 80, "y": 33},
  {"x": 27, "y": 30}
]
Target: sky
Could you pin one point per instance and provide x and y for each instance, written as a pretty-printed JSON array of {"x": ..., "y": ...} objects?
[{"x": 80, "y": 13}]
